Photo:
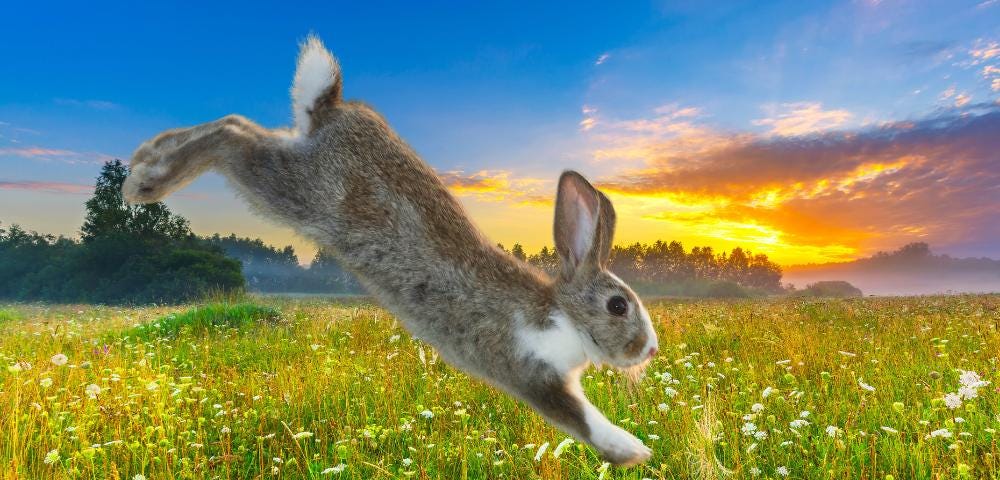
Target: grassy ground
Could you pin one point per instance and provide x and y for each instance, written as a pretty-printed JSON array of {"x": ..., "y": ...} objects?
[{"x": 756, "y": 388}]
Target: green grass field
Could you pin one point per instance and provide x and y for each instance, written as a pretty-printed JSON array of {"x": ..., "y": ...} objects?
[{"x": 868, "y": 388}]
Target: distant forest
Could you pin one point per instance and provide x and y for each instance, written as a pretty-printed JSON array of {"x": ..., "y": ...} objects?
[{"x": 146, "y": 254}]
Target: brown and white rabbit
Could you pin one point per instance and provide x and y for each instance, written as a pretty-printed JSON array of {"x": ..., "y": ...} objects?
[{"x": 343, "y": 178}]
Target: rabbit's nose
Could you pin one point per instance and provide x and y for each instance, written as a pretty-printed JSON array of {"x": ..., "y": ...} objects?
[{"x": 653, "y": 351}]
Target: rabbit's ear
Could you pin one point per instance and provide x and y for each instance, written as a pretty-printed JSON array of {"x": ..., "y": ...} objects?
[{"x": 584, "y": 225}]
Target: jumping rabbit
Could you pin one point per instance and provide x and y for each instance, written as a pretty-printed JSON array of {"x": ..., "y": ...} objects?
[{"x": 344, "y": 179}]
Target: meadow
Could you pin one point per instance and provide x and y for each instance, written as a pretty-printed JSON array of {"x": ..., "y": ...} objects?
[{"x": 878, "y": 388}]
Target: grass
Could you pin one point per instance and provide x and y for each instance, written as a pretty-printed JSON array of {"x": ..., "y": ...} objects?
[{"x": 850, "y": 388}]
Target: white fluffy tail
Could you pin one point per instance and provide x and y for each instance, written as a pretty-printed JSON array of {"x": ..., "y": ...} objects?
[{"x": 317, "y": 85}]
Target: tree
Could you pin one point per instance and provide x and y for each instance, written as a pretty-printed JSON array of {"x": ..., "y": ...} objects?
[{"x": 108, "y": 214}]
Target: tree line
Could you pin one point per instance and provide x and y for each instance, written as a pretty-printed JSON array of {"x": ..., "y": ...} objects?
[{"x": 664, "y": 263}]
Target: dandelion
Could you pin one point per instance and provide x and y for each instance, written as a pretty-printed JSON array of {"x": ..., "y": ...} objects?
[
  {"x": 757, "y": 408},
  {"x": 45, "y": 382},
  {"x": 782, "y": 470},
  {"x": 427, "y": 414},
  {"x": 562, "y": 446},
  {"x": 952, "y": 401},
  {"x": 864, "y": 386},
  {"x": 52, "y": 456},
  {"x": 541, "y": 451},
  {"x": 301, "y": 435},
  {"x": 93, "y": 390},
  {"x": 832, "y": 431},
  {"x": 59, "y": 359}
]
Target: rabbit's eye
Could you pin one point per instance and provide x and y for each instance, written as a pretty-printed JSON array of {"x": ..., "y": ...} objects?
[{"x": 617, "y": 306}]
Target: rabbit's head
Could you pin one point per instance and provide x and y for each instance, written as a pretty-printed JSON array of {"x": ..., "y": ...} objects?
[{"x": 615, "y": 327}]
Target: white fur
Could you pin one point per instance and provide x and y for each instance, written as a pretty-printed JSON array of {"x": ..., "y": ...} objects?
[
  {"x": 559, "y": 346},
  {"x": 316, "y": 71},
  {"x": 605, "y": 435}
]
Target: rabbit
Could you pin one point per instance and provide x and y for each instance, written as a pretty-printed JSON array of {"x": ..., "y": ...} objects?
[{"x": 344, "y": 179}]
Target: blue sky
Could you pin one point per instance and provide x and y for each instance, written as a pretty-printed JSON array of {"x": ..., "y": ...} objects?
[{"x": 504, "y": 97}]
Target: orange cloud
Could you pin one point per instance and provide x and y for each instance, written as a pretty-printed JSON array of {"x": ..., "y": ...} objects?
[
  {"x": 497, "y": 186},
  {"x": 932, "y": 180}
]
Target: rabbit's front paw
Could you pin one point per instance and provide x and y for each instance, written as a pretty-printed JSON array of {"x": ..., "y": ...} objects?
[{"x": 620, "y": 447}]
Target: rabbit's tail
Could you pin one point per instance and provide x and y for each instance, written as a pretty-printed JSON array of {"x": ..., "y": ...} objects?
[{"x": 317, "y": 86}]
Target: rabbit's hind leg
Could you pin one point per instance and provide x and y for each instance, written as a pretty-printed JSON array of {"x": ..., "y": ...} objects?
[{"x": 174, "y": 158}]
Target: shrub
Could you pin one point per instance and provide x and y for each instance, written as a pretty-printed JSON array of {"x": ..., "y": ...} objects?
[
  {"x": 831, "y": 288},
  {"x": 200, "y": 320}
]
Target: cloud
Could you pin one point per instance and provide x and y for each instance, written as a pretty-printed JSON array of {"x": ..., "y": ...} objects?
[
  {"x": 933, "y": 179},
  {"x": 46, "y": 154},
  {"x": 48, "y": 187},
  {"x": 802, "y": 118},
  {"x": 985, "y": 50},
  {"x": 602, "y": 58},
  {"x": 497, "y": 186},
  {"x": 93, "y": 104},
  {"x": 589, "y": 118}
]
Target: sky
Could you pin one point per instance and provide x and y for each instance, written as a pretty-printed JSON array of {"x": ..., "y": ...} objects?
[{"x": 808, "y": 131}]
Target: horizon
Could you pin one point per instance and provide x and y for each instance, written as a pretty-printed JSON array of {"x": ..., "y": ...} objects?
[{"x": 811, "y": 133}]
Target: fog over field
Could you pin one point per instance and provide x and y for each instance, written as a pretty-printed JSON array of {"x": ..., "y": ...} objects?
[{"x": 911, "y": 270}]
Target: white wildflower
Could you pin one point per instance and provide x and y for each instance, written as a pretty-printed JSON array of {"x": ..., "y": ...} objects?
[
  {"x": 798, "y": 423},
  {"x": 767, "y": 392},
  {"x": 335, "y": 469},
  {"x": 760, "y": 435},
  {"x": 407, "y": 462},
  {"x": 748, "y": 428},
  {"x": 301, "y": 435},
  {"x": 45, "y": 382},
  {"x": 670, "y": 392},
  {"x": 782, "y": 470},
  {"x": 943, "y": 433},
  {"x": 971, "y": 379},
  {"x": 541, "y": 451},
  {"x": 52, "y": 456},
  {"x": 968, "y": 393},
  {"x": 952, "y": 401},
  {"x": 754, "y": 471},
  {"x": 427, "y": 414},
  {"x": 663, "y": 407},
  {"x": 832, "y": 431},
  {"x": 757, "y": 408},
  {"x": 562, "y": 446},
  {"x": 865, "y": 386},
  {"x": 804, "y": 414},
  {"x": 139, "y": 476},
  {"x": 889, "y": 430}
]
